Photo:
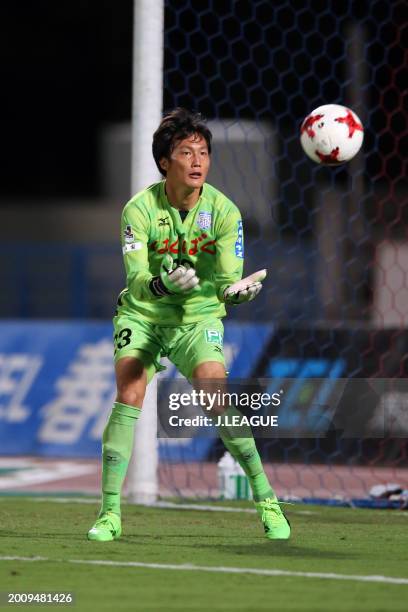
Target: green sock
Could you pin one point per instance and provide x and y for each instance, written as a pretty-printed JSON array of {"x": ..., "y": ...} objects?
[
  {"x": 117, "y": 444},
  {"x": 243, "y": 449}
]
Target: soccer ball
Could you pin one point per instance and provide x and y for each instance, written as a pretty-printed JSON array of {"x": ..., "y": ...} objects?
[{"x": 331, "y": 135}]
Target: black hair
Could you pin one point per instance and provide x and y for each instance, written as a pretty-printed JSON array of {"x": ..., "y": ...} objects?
[{"x": 177, "y": 125}]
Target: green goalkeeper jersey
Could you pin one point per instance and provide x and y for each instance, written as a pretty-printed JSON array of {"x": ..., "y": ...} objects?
[{"x": 210, "y": 238}]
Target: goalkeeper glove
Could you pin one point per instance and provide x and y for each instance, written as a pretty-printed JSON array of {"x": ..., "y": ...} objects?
[
  {"x": 246, "y": 289},
  {"x": 173, "y": 279}
]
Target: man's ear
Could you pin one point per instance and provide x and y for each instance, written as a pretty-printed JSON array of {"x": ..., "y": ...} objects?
[{"x": 164, "y": 163}]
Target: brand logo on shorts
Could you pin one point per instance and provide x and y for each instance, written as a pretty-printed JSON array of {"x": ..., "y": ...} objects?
[
  {"x": 213, "y": 336},
  {"x": 204, "y": 220}
]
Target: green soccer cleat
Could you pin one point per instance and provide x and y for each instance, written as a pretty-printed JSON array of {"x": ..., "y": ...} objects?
[
  {"x": 106, "y": 528},
  {"x": 276, "y": 525}
]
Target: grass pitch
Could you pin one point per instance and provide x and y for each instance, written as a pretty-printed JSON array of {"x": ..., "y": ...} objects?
[{"x": 324, "y": 540}]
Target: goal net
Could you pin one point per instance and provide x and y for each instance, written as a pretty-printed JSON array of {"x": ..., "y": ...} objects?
[{"x": 334, "y": 239}]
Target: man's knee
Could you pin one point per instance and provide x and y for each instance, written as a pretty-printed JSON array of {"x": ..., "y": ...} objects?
[
  {"x": 131, "y": 381},
  {"x": 130, "y": 396},
  {"x": 210, "y": 377},
  {"x": 209, "y": 369}
]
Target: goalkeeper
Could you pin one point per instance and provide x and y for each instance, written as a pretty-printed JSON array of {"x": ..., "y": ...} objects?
[{"x": 182, "y": 243}]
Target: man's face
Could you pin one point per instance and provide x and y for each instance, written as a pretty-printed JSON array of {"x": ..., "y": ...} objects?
[{"x": 189, "y": 162}]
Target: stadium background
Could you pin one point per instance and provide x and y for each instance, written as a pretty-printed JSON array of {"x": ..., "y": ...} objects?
[{"x": 334, "y": 239}]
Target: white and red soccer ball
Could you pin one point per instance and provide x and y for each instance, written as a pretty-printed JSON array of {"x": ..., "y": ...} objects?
[{"x": 331, "y": 135}]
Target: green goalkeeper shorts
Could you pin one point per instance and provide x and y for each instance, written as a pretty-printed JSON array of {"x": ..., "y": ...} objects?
[{"x": 186, "y": 346}]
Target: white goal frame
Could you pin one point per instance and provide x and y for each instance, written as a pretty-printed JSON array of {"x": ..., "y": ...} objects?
[{"x": 147, "y": 101}]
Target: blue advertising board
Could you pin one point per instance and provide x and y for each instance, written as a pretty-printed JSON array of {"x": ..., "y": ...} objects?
[{"x": 57, "y": 384}]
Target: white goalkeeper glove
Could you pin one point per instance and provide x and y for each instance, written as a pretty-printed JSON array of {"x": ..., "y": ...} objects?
[
  {"x": 246, "y": 289},
  {"x": 173, "y": 279}
]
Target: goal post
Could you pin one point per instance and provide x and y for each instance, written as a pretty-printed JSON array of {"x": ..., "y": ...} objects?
[{"x": 147, "y": 100}]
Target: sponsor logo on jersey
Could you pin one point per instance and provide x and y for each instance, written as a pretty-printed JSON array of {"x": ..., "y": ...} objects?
[
  {"x": 239, "y": 244},
  {"x": 128, "y": 234},
  {"x": 163, "y": 221},
  {"x": 134, "y": 246},
  {"x": 204, "y": 220},
  {"x": 200, "y": 244}
]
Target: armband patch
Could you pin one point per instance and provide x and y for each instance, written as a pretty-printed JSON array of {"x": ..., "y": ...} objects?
[{"x": 133, "y": 246}]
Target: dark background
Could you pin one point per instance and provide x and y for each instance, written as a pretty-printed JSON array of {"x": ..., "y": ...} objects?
[{"x": 66, "y": 70}]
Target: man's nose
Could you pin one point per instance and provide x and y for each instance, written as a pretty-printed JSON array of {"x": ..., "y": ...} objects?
[{"x": 196, "y": 160}]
